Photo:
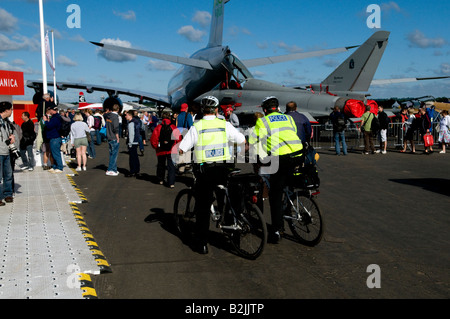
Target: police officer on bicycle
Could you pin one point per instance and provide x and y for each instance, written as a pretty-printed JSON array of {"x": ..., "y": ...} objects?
[
  {"x": 212, "y": 162},
  {"x": 275, "y": 137}
]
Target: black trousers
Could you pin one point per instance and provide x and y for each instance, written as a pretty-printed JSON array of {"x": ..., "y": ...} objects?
[
  {"x": 135, "y": 165},
  {"x": 278, "y": 182},
  {"x": 208, "y": 177},
  {"x": 161, "y": 168}
]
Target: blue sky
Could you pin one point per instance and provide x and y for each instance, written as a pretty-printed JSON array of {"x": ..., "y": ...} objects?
[{"x": 419, "y": 44}]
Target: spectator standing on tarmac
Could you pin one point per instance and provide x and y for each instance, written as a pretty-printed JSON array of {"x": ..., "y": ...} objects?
[
  {"x": 424, "y": 127},
  {"x": 112, "y": 134},
  {"x": 27, "y": 141},
  {"x": 184, "y": 122},
  {"x": 6, "y": 170},
  {"x": 134, "y": 135},
  {"x": 444, "y": 130},
  {"x": 384, "y": 124},
  {"x": 78, "y": 139},
  {"x": 304, "y": 129},
  {"x": 90, "y": 121},
  {"x": 339, "y": 125},
  {"x": 53, "y": 123},
  {"x": 99, "y": 122},
  {"x": 366, "y": 123},
  {"x": 164, "y": 139},
  {"x": 410, "y": 128},
  {"x": 232, "y": 117},
  {"x": 184, "y": 119}
]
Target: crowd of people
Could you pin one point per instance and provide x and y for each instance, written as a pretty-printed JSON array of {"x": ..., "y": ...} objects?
[
  {"x": 202, "y": 140},
  {"x": 376, "y": 126}
]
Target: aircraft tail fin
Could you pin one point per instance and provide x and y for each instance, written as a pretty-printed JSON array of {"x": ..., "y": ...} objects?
[
  {"x": 216, "y": 33},
  {"x": 356, "y": 73}
]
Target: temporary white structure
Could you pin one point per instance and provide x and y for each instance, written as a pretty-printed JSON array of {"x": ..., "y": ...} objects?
[{"x": 126, "y": 106}]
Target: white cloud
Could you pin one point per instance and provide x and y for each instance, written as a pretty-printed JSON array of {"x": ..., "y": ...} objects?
[
  {"x": 8, "y": 22},
  {"x": 390, "y": 6},
  {"x": 130, "y": 15},
  {"x": 114, "y": 55},
  {"x": 63, "y": 60},
  {"x": 203, "y": 18},
  {"x": 18, "y": 42},
  {"x": 160, "y": 65},
  {"x": 18, "y": 62},
  {"x": 444, "y": 69},
  {"x": 77, "y": 38},
  {"x": 11, "y": 67},
  {"x": 418, "y": 39},
  {"x": 289, "y": 48},
  {"x": 190, "y": 33}
]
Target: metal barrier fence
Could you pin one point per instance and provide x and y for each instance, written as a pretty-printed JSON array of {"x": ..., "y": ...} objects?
[{"x": 323, "y": 136}]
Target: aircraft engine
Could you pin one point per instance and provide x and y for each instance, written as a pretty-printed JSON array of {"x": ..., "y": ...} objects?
[
  {"x": 356, "y": 108},
  {"x": 109, "y": 102}
]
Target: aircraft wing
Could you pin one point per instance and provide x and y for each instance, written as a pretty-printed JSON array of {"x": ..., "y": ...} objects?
[
  {"x": 166, "y": 57},
  {"x": 112, "y": 91},
  {"x": 405, "y": 80},
  {"x": 294, "y": 56},
  {"x": 311, "y": 119}
]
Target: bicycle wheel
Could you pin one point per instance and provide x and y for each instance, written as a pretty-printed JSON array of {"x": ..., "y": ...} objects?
[
  {"x": 184, "y": 212},
  {"x": 305, "y": 220},
  {"x": 251, "y": 236}
]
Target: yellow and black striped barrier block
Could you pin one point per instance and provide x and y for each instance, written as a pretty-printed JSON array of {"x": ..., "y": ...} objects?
[
  {"x": 87, "y": 287},
  {"x": 77, "y": 190},
  {"x": 99, "y": 257}
]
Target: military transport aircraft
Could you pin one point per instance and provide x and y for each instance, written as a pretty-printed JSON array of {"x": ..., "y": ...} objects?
[{"x": 215, "y": 70}]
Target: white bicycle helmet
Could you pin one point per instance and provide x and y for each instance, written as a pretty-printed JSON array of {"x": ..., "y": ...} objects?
[
  {"x": 270, "y": 102},
  {"x": 210, "y": 101}
]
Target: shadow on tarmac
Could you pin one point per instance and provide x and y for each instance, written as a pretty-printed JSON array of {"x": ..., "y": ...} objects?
[{"x": 436, "y": 185}]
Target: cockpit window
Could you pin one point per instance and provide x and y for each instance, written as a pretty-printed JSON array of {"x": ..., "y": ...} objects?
[{"x": 240, "y": 70}]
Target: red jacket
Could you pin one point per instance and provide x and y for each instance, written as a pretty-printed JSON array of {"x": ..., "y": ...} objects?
[{"x": 154, "y": 139}]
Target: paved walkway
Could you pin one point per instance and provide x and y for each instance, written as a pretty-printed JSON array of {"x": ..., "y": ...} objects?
[{"x": 46, "y": 249}]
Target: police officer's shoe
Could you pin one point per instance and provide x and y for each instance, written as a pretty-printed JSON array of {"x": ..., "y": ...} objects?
[{"x": 275, "y": 238}]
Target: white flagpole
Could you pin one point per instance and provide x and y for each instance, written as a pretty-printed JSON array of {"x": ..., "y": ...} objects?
[
  {"x": 44, "y": 66},
  {"x": 54, "y": 69}
]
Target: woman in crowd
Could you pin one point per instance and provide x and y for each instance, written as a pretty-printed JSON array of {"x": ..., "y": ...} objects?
[
  {"x": 444, "y": 130},
  {"x": 79, "y": 140}
]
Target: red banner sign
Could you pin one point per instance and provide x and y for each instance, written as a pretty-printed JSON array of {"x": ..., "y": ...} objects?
[{"x": 11, "y": 83}]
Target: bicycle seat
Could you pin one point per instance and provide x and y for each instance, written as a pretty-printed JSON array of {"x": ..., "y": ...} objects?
[{"x": 234, "y": 172}]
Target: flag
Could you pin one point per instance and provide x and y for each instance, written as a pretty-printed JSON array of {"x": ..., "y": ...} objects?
[{"x": 47, "y": 52}]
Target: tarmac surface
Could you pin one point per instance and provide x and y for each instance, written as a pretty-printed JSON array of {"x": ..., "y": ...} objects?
[
  {"x": 386, "y": 217},
  {"x": 92, "y": 236}
]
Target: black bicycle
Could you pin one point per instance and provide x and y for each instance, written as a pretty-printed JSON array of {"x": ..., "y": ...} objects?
[
  {"x": 238, "y": 217},
  {"x": 300, "y": 208}
]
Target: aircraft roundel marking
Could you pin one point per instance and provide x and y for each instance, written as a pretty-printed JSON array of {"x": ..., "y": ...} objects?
[{"x": 239, "y": 94}]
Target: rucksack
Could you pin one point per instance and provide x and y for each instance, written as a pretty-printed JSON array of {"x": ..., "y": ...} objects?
[
  {"x": 340, "y": 124},
  {"x": 97, "y": 123},
  {"x": 375, "y": 125},
  {"x": 165, "y": 137},
  {"x": 64, "y": 130}
]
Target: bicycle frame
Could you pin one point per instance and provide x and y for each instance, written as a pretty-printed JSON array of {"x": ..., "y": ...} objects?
[{"x": 307, "y": 193}]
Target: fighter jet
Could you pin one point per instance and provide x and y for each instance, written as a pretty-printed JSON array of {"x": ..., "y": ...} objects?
[{"x": 216, "y": 70}]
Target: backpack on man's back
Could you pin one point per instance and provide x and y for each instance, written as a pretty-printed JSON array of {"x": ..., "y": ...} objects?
[
  {"x": 375, "y": 125},
  {"x": 64, "y": 129},
  {"x": 165, "y": 137},
  {"x": 97, "y": 123}
]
